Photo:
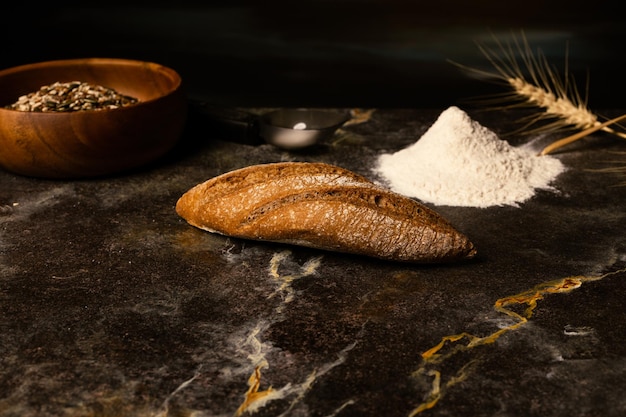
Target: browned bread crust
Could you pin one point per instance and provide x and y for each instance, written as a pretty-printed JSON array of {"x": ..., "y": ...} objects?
[{"x": 325, "y": 207}]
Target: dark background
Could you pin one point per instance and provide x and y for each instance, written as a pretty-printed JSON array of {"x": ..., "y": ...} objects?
[{"x": 368, "y": 53}]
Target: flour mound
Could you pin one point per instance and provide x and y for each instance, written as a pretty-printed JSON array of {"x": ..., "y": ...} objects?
[{"x": 459, "y": 162}]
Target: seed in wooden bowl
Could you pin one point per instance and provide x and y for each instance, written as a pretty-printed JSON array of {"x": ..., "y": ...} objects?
[{"x": 71, "y": 96}]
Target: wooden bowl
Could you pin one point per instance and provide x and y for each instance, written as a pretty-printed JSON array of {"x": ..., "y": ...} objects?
[{"x": 90, "y": 143}]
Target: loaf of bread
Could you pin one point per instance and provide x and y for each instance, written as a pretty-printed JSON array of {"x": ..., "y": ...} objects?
[{"x": 324, "y": 207}]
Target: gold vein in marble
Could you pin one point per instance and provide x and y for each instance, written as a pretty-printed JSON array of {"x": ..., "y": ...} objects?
[
  {"x": 358, "y": 116},
  {"x": 284, "y": 281},
  {"x": 255, "y": 398},
  {"x": 463, "y": 342}
]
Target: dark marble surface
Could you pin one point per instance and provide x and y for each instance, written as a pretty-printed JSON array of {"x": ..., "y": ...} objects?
[{"x": 112, "y": 305}]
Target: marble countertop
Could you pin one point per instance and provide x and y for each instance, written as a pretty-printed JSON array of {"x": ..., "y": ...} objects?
[{"x": 112, "y": 305}]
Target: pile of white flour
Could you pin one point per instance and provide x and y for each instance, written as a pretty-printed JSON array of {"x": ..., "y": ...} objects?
[{"x": 459, "y": 162}]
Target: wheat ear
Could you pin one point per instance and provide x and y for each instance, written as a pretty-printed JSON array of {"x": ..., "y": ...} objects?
[{"x": 532, "y": 82}]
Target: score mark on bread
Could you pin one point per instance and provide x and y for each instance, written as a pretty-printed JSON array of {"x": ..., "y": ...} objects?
[{"x": 325, "y": 207}]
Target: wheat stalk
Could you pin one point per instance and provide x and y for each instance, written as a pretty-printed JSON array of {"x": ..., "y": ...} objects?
[
  {"x": 597, "y": 126},
  {"x": 533, "y": 82}
]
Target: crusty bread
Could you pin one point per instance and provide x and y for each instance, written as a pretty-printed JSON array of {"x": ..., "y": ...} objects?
[{"x": 325, "y": 207}]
